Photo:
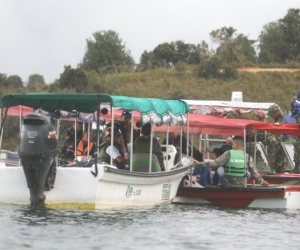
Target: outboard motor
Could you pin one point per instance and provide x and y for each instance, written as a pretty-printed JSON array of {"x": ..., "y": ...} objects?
[{"x": 37, "y": 150}]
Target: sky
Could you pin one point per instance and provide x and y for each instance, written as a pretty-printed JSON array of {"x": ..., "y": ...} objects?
[{"x": 43, "y": 36}]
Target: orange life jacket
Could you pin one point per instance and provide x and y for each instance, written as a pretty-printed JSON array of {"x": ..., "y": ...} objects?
[{"x": 84, "y": 151}]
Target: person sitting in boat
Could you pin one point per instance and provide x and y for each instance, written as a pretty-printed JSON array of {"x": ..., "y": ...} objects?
[
  {"x": 216, "y": 153},
  {"x": 174, "y": 139},
  {"x": 69, "y": 135},
  {"x": 86, "y": 146},
  {"x": 206, "y": 176},
  {"x": 116, "y": 152},
  {"x": 235, "y": 163},
  {"x": 227, "y": 145},
  {"x": 142, "y": 145},
  {"x": 124, "y": 126}
]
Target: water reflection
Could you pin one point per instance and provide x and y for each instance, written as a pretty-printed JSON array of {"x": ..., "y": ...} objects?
[{"x": 174, "y": 226}]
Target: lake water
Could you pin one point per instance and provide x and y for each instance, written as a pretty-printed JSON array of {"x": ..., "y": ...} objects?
[{"x": 160, "y": 227}]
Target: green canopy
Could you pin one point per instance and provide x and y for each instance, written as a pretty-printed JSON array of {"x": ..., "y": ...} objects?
[{"x": 90, "y": 103}]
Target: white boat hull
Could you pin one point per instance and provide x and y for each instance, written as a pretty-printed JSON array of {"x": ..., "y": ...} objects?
[{"x": 77, "y": 187}]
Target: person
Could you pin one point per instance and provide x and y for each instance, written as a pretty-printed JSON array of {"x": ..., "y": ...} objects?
[
  {"x": 216, "y": 153},
  {"x": 295, "y": 110},
  {"x": 174, "y": 139},
  {"x": 250, "y": 146},
  {"x": 227, "y": 145},
  {"x": 206, "y": 177},
  {"x": 86, "y": 146},
  {"x": 250, "y": 135},
  {"x": 276, "y": 155},
  {"x": 234, "y": 162},
  {"x": 250, "y": 139},
  {"x": 117, "y": 151},
  {"x": 69, "y": 141},
  {"x": 69, "y": 135},
  {"x": 142, "y": 145},
  {"x": 124, "y": 126}
]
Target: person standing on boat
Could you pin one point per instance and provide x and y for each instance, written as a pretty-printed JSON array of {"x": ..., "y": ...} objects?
[
  {"x": 235, "y": 163},
  {"x": 126, "y": 119},
  {"x": 116, "y": 152},
  {"x": 276, "y": 155},
  {"x": 295, "y": 110},
  {"x": 142, "y": 145}
]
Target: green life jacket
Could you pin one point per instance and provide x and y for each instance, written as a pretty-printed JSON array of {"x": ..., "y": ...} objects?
[
  {"x": 236, "y": 166},
  {"x": 104, "y": 157}
]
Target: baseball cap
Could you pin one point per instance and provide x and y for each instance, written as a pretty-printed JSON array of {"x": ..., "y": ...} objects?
[{"x": 126, "y": 112}]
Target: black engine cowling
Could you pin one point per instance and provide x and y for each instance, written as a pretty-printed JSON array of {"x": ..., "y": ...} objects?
[{"x": 37, "y": 150}]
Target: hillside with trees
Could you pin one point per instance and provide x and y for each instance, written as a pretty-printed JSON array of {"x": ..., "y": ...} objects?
[{"x": 177, "y": 70}]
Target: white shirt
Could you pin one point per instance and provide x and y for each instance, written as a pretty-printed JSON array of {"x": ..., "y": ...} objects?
[{"x": 115, "y": 152}]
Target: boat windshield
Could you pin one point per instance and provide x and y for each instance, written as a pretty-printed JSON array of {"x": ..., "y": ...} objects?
[
  {"x": 262, "y": 163},
  {"x": 288, "y": 148}
]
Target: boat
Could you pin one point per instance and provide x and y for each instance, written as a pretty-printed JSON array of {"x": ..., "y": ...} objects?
[
  {"x": 216, "y": 125},
  {"x": 39, "y": 180},
  {"x": 280, "y": 194},
  {"x": 272, "y": 197}
]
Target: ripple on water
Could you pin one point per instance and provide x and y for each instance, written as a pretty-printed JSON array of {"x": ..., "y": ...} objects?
[{"x": 157, "y": 227}]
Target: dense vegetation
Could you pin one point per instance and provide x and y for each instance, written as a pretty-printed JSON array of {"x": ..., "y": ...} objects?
[{"x": 177, "y": 70}]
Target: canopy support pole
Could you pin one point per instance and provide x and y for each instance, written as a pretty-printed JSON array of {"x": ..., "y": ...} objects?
[
  {"x": 112, "y": 134},
  {"x": 151, "y": 149},
  {"x": 131, "y": 142}
]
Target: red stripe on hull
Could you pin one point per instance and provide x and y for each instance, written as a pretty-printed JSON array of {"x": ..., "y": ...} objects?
[
  {"x": 231, "y": 197},
  {"x": 292, "y": 189}
]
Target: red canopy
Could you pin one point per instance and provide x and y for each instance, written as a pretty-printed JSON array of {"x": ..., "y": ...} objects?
[
  {"x": 201, "y": 124},
  {"x": 206, "y": 124}
]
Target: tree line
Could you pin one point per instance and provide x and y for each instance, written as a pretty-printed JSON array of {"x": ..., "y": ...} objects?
[{"x": 106, "y": 53}]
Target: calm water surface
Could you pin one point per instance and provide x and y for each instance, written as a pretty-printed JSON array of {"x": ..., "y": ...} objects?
[{"x": 160, "y": 227}]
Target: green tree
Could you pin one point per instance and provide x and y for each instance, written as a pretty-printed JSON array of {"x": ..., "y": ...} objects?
[
  {"x": 73, "y": 79},
  {"x": 146, "y": 60},
  {"x": 164, "y": 54},
  {"x": 291, "y": 29},
  {"x": 105, "y": 51},
  {"x": 2, "y": 79},
  {"x": 233, "y": 47},
  {"x": 272, "y": 46},
  {"x": 210, "y": 67},
  {"x": 169, "y": 54},
  {"x": 35, "y": 80},
  {"x": 13, "y": 81}
]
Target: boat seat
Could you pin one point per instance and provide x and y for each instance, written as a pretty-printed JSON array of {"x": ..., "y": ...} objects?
[
  {"x": 140, "y": 163},
  {"x": 169, "y": 154}
]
